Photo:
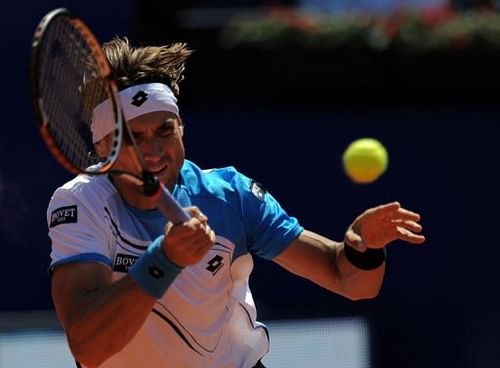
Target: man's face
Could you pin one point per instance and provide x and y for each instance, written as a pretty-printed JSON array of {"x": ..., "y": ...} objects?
[{"x": 158, "y": 136}]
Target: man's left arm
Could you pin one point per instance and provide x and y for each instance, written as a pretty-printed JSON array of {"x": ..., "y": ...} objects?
[{"x": 359, "y": 273}]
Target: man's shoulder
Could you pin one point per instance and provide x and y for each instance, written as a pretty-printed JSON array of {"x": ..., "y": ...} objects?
[
  {"x": 84, "y": 188},
  {"x": 214, "y": 179},
  {"x": 226, "y": 174}
]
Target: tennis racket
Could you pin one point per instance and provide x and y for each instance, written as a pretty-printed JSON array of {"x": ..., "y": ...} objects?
[{"x": 70, "y": 75}]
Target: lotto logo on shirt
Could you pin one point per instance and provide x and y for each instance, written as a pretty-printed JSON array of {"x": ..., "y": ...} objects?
[
  {"x": 123, "y": 262},
  {"x": 258, "y": 190},
  {"x": 215, "y": 264},
  {"x": 64, "y": 215}
]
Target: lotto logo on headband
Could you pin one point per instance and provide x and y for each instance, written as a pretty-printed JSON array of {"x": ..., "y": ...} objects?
[
  {"x": 158, "y": 95},
  {"x": 64, "y": 215},
  {"x": 139, "y": 98}
]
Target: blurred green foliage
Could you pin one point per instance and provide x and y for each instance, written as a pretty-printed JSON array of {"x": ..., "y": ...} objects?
[{"x": 433, "y": 30}]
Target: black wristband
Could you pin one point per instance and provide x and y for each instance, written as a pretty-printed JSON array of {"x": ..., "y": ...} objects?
[{"x": 367, "y": 260}]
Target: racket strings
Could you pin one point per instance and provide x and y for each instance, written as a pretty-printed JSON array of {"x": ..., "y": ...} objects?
[{"x": 68, "y": 102}]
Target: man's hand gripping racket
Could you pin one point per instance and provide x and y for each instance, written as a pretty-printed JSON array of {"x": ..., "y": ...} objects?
[{"x": 70, "y": 76}]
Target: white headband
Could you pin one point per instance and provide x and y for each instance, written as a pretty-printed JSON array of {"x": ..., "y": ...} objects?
[{"x": 136, "y": 100}]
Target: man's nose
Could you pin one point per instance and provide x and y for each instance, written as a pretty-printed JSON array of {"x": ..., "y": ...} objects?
[{"x": 150, "y": 148}]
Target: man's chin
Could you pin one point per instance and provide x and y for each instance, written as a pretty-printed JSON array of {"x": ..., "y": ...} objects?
[{"x": 167, "y": 180}]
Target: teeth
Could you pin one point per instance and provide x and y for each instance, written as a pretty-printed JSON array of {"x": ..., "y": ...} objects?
[{"x": 159, "y": 170}]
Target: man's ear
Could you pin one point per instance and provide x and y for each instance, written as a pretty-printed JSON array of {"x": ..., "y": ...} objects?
[
  {"x": 181, "y": 126},
  {"x": 103, "y": 146}
]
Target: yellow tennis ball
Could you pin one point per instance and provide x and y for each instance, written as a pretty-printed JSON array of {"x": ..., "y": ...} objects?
[{"x": 365, "y": 160}]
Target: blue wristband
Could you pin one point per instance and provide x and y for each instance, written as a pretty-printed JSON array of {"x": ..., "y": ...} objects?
[{"x": 153, "y": 271}]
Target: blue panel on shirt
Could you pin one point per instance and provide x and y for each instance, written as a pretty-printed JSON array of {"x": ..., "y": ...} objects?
[{"x": 237, "y": 209}]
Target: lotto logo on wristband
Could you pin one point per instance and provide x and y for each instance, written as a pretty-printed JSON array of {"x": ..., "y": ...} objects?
[
  {"x": 123, "y": 262},
  {"x": 156, "y": 272}
]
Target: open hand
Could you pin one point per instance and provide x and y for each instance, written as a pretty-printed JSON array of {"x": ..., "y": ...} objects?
[{"x": 378, "y": 226}]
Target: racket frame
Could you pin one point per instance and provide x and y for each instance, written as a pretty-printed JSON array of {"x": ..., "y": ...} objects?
[{"x": 43, "y": 123}]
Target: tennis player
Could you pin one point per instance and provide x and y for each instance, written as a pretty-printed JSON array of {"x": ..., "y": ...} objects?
[{"x": 133, "y": 290}]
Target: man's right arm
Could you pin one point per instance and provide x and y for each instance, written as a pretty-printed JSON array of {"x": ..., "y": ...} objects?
[{"x": 99, "y": 316}]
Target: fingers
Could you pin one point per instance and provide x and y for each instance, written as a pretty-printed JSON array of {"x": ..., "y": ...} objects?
[
  {"x": 202, "y": 236},
  {"x": 394, "y": 210},
  {"x": 195, "y": 212},
  {"x": 408, "y": 224},
  {"x": 405, "y": 214},
  {"x": 198, "y": 231},
  {"x": 384, "y": 209},
  {"x": 410, "y": 237},
  {"x": 389, "y": 207},
  {"x": 381, "y": 225},
  {"x": 187, "y": 243},
  {"x": 201, "y": 245},
  {"x": 408, "y": 230}
]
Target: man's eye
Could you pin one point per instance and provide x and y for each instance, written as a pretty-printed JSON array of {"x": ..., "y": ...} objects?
[
  {"x": 137, "y": 137},
  {"x": 164, "y": 131}
]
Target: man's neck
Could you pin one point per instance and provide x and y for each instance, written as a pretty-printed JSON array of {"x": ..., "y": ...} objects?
[{"x": 132, "y": 194}]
